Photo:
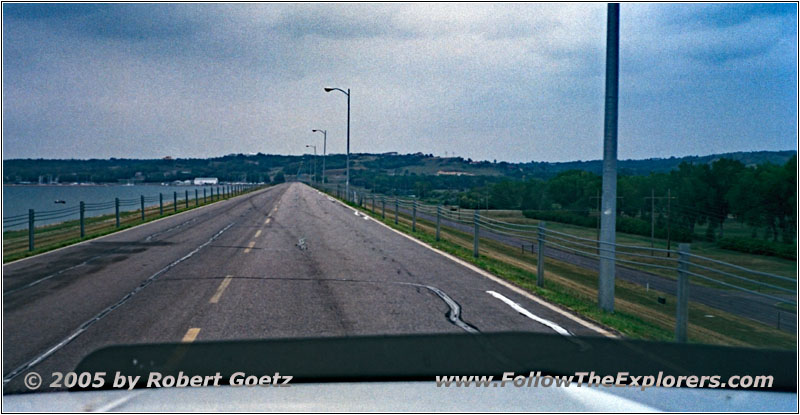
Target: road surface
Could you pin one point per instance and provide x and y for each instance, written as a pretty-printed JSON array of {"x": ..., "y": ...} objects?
[{"x": 286, "y": 261}]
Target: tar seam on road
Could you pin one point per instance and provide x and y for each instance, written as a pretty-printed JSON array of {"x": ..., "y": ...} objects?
[
  {"x": 85, "y": 326},
  {"x": 454, "y": 315}
]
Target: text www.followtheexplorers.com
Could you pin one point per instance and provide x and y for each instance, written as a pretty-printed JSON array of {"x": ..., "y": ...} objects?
[{"x": 622, "y": 379}]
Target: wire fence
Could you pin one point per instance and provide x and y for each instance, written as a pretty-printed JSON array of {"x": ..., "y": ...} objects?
[
  {"x": 674, "y": 268},
  {"x": 46, "y": 228}
]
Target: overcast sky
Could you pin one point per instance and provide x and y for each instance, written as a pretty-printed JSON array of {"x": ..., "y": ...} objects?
[{"x": 515, "y": 82}]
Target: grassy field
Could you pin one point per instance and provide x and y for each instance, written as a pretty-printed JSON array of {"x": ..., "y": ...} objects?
[
  {"x": 49, "y": 237},
  {"x": 638, "y": 313},
  {"x": 762, "y": 263}
]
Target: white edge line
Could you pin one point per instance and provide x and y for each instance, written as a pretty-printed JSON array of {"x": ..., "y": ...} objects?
[
  {"x": 174, "y": 215},
  {"x": 498, "y": 280},
  {"x": 558, "y": 329}
]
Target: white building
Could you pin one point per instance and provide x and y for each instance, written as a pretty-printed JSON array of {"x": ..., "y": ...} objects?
[{"x": 200, "y": 181}]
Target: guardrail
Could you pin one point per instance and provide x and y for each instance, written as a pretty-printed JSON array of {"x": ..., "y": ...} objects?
[
  {"x": 83, "y": 212},
  {"x": 682, "y": 264}
]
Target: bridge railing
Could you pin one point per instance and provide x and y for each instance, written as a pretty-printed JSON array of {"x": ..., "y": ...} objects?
[{"x": 40, "y": 230}]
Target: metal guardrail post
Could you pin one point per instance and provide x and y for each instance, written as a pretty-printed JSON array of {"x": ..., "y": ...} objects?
[
  {"x": 438, "y": 220},
  {"x": 204, "y": 196},
  {"x": 396, "y": 208},
  {"x": 186, "y": 198},
  {"x": 476, "y": 233},
  {"x": 540, "y": 255},
  {"x": 373, "y": 203},
  {"x": 31, "y": 228},
  {"x": 414, "y": 216},
  {"x": 383, "y": 207},
  {"x": 174, "y": 201},
  {"x": 160, "y": 204},
  {"x": 83, "y": 214},
  {"x": 116, "y": 209},
  {"x": 141, "y": 199},
  {"x": 682, "y": 306},
  {"x": 196, "y": 199}
]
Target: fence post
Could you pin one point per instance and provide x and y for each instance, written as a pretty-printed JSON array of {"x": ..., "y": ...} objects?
[
  {"x": 383, "y": 207},
  {"x": 160, "y": 204},
  {"x": 116, "y": 209},
  {"x": 196, "y": 199},
  {"x": 476, "y": 233},
  {"x": 438, "y": 220},
  {"x": 30, "y": 229},
  {"x": 682, "y": 306},
  {"x": 141, "y": 199},
  {"x": 174, "y": 201},
  {"x": 83, "y": 214},
  {"x": 186, "y": 198},
  {"x": 373, "y": 203},
  {"x": 204, "y": 196},
  {"x": 540, "y": 255},
  {"x": 414, "y": 216}
]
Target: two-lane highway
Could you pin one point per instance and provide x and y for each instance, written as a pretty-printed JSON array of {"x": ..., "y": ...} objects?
[{"x": 286, "y": 261}]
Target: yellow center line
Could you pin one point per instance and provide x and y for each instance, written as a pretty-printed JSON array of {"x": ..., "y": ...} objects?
[
  {"x": 190, "y": 335},
  {"x": 275, "y": 209},
  {"x": 249, "y": 247},
  {"x": 258, "y": 233},
  {"x": 266, "y": 222},
  {"x": 222, "y": 286}
]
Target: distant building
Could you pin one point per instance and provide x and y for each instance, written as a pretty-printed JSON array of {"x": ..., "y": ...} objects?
[
  {"x": 453, "y": 173},
  {"x": 200, "y": 181}
]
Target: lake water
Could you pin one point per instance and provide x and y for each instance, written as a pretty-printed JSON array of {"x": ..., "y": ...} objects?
[{"x": 18, "y": 199}]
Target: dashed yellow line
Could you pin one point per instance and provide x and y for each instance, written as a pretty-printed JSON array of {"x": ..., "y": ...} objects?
[
  {"x": 249, "y": 247},
  {"x": 222, "y": 286},
  {"x": 190, "y": 335},
  {"x": 258, "y": 233},
  {"x": 275, "y": 209},
  {"x": 266, "y": 222}
]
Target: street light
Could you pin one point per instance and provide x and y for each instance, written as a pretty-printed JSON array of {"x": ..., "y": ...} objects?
[
  {"x": 324, "y": 150},
  {"x": 347, "y": 179},
  {"x": 316, "y": 179}
]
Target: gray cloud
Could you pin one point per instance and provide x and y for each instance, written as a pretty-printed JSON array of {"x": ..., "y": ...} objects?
[{"x": 505, "y": 81}]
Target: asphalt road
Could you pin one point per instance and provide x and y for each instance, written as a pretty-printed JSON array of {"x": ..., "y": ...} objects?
[
  {"x": 739, "y": 303},
  {"x": 286, "y": 261}
]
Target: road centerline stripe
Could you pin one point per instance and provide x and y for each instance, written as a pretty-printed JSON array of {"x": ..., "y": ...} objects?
[
  {"x": 258, "y": 233},
  {"x": 222, "y": 286},
  {"x": 266, "y": 222},
  {"x": 190, "y": 335},
  {"x": 249, "y": 247}
]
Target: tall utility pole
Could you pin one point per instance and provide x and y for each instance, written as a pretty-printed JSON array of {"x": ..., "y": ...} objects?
[
  {"x": 608, "y": 221},
  {"x": 653, "y": 217}
]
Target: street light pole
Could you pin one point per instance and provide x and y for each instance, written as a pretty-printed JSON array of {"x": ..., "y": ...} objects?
[
  {"x": 324, "y": 150},
  {"x": 316, "y": 179},
  {"x": 347, "y": 179}
]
